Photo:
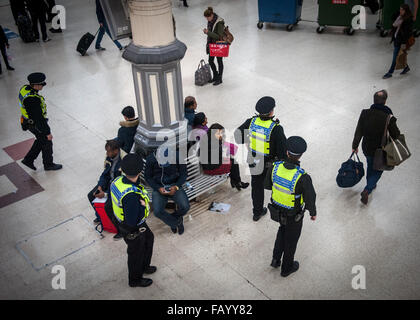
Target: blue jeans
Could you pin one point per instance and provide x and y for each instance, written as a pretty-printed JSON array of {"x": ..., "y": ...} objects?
[
  {"x": 101, "y": 33},
  {"x": 159, "y": 204},
  {"x": 372, "y": 175},
  {"x": 394, "y": 58}
]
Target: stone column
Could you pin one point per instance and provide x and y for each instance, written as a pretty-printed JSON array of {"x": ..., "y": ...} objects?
[{"x": 155, "y": 55}]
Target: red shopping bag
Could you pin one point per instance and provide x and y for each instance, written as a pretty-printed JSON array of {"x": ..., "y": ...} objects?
[
  {"x": 106, "y": 222},
  {"x": 219, "y": 49}
]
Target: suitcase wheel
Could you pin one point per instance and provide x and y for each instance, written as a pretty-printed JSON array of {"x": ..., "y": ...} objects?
[
  {"x": 320, "y": 29},
  {"x": 260, "y": 25},
  {"x": 384, "y": 33},
  {"x": 349, "y": 31},
  {"x": 290, "y": 27}
]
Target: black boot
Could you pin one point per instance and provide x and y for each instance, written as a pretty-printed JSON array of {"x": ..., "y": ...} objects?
[
  {"x": 215, "y": 76},
  {"x": 218, "y": 80},
  {"x": 185, "y": 3}
]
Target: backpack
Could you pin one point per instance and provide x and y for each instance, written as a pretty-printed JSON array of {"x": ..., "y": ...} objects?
[{"x": 350, "y": 173}]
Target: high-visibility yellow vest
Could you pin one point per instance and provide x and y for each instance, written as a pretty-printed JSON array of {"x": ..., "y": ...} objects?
[
  {"x": 259, "y": 135},
  {"x": 25, "y": 92},
  {"x": 119, "y": 190},
  {"x": 284, "y": 184}
]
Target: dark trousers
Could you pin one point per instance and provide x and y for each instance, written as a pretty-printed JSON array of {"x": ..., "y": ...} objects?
[
  {"x": 257, "y": 192},
  {"x": 213, "y": 66},
  {"x": 41, "y": 18},
  {"x": 159, "y": 203},
  {"x": 372, "y": 175},
  {"x": 235, "y": 175},
  {"x": 140, "y": 251},
  {"x": 4, "y": 54},
  {"x": 286, "y": 243},
  {"x": 41, "y": 144},
  {"x": 104, "y": 29},
  {"x": 91, "y": 197}
]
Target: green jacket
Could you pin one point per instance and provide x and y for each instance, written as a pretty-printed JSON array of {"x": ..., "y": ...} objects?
[{"x": 217, "y": 33}]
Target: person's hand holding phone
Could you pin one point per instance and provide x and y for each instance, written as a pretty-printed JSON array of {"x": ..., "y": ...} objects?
[
  {"x": 163, "y": 191},
  {"x": 173, "y": 190}
]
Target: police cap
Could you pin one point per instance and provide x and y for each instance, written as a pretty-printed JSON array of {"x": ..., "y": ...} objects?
[
  {"x": 296, "y": 145},
  {"x": 132, "y": 164},
  {"x": 37, "y": 78},
  {"x": 265, "y": 105}
]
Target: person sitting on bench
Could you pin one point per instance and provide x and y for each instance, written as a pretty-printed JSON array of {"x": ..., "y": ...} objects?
[
  {"x": 217, "y": 156},
  {"x": 166, "y": 178},
  {"x": 112, "y": 170}
]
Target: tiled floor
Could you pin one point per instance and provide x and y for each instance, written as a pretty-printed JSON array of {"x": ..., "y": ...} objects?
[{"x": 320, "y": 83}]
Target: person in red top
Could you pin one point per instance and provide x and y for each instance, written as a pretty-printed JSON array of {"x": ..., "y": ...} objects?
[{"x": 218, "y": 159}]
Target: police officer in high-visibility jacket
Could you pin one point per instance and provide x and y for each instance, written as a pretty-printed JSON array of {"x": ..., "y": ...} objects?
[
  {"x": 34, "y": 118},
  {"x": 266, "y": 143},
  {"x": 292, "y": 194},
  {"x": 130, "y": 203}
]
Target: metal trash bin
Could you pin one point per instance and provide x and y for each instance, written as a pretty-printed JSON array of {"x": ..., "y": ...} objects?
[
  {"x": 390, "y": 7},
  {"x": 337, "y": 13},
  {"x": 279, "y": 11}
]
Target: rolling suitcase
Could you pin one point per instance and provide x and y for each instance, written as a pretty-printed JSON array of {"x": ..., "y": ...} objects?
[
  {"x": 26, "y": 31},
  {"x": 85, "y": 42}
]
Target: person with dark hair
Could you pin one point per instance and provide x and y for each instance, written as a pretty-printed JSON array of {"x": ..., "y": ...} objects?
[
  {"x": 130, "y": 205},
  {"x": 214, "y": 31},
  {"x": 128, "y": 129},
  {"x": 4, "y": 43},
  {"x": 103, "y": 28},
  {"x": 190, "y": 105},
  {"x": 38, "y": 10},
  {"x": 112, "y": 169},
  {"x": 217, "y": 156},
  {"x": 266, "y": 143},
  {"x": 402, "y": 30},
  {"x": 199, "y": 128},
  {"x": 35, "y": 119},
  {"x": 371, "y": 127},
  {"x": 292, "y": 194},
  {"x": 166, "y": 179}
]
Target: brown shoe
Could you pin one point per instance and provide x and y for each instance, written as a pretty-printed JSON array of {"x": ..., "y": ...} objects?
[{"x": 365, "y": 197}]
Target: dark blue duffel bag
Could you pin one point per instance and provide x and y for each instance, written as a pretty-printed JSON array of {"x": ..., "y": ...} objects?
[{"x": 350, "y": 173}]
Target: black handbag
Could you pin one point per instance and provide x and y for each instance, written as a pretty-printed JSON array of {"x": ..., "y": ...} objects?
[
  {"x": 350, "y": 173},
  {"x": 380, "y": 158}
]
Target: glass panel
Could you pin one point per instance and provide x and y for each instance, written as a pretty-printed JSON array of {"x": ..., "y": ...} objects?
[
  {"x": 171, "y": 97},
  {"x": 154, "y": 93},
  {"x": 142, "y": 116}
]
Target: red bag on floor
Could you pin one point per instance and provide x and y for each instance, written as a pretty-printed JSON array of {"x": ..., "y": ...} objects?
[
  {"x": 106, "y": 223},
  {"x": 219, "y": 49}
]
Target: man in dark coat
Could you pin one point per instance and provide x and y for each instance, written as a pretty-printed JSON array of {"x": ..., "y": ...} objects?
[
  {"x": 4, "y": 43},
  {"x": 38, "y": 10},
  {"x": 112, "y": 170},
  {"x": 371, "y": 128},
  {"x": 128, "y": 129}
]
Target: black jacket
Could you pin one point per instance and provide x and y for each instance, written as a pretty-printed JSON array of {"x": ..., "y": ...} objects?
[
  {"x": 3, "y": 38},
  {"x": 126, "y": 134},
  {"x": 277, "y": 140},
  {"x": 105, "y": 178},
  {"x": 371, "y": 127},
  {"x": 304, "y": 187},
  {"x": 33, "y": 107},
  {"x": 133, "y": 210},
  {"x": 37, "y": 7},
  {"x": 158, "y": 176},
  {"x": 406, "y": 31}
]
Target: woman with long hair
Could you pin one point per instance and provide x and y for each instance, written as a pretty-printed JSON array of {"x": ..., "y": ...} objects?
[
  {"x": 402, "y": 30},
  {"x": 216, "y": 156}
]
